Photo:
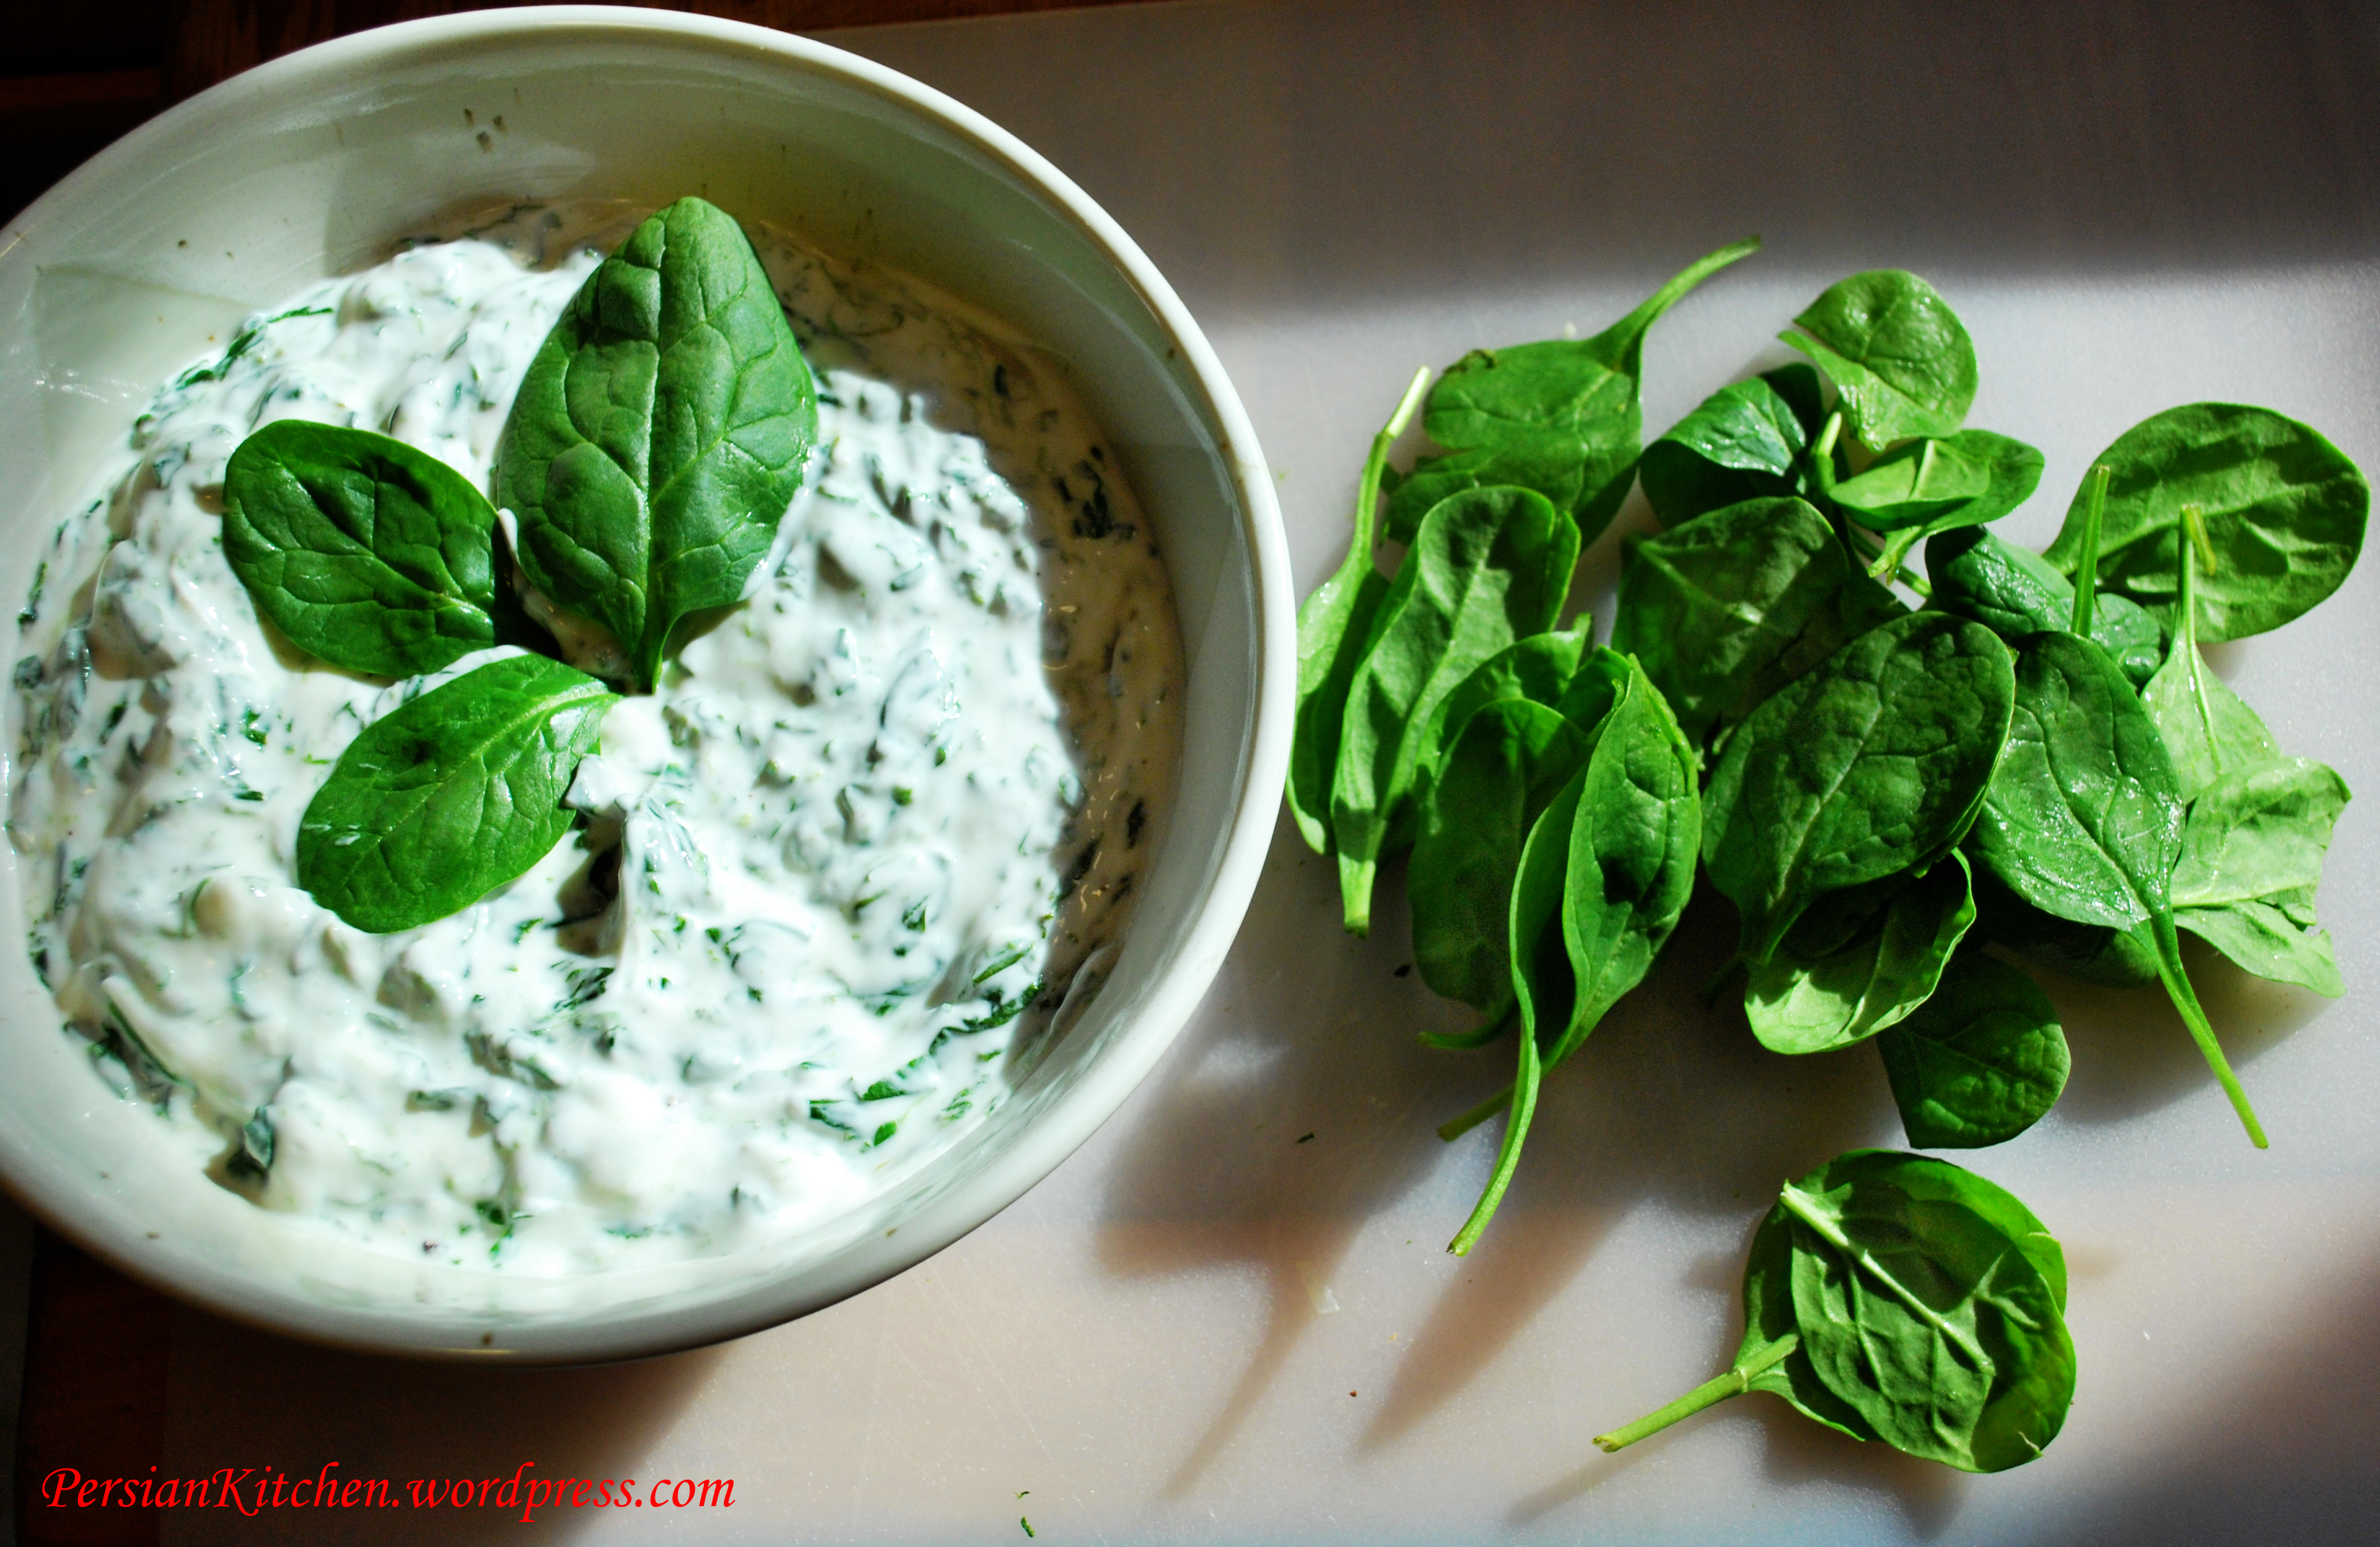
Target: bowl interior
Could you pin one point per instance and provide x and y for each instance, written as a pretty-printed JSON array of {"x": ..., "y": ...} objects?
[{"x": 313, "y": 166}]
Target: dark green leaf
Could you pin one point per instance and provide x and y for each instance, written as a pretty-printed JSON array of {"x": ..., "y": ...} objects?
[
  {"x": 1979, "y": 1062},
  {"x": 660, "y": 432},
  {"x": 2009, "y": 470},
  {"x": 1333, "y": 626},
  {"x": 2014, "y": 592},
  {"x": 1562, "y": 416},
  {"x": 1897, "y": 353},
  {"x": 1871, "y": 765},
  {"x": 1925, "y": 1315},
  {"x": 374, "y": 556},
  {"x": 1543, "y": 669},
  {"x": 1723, "y": 609},
  {"x": 1603, "y": 879},
  {"x": 1895, "y": 1297},
  {"x": 1744, "y": 443},
  {"x": 1488, "y": 566},
  {"x": 1921, "y": 480},
  {"x": 2083, "y": 816},
  {"x": 1813, "y": 1004},
  {"x": 451, "y": 796},
  {"x": 1513, "y": 757},
  {"x": 2284, "y": 513}
]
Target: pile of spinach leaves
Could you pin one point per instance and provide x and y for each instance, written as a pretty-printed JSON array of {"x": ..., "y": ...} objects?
[
  {"x": 2032, "y": 765},
  {"x": 658, "y": 439}
]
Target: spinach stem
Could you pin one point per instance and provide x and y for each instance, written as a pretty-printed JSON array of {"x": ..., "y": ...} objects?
[
  {"x": 1455, "y": 1127},
  {"x": 1368, "y": 492},
  {"x": 1661, "y": 300},
  {"x": 1356, "y": 885},
  {"x": 2086, "y": 571},
  {"x": 2195, "y": 519},
  {"x": 1718, "y": 1389},
  {"x": 2185, "y": 640},
  {"x": 1508, "y": 1157},
  {"x": 2185, "y": 999}
]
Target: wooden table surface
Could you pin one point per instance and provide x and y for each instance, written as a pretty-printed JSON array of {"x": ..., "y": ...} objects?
[{"x": 75, "y": 78}]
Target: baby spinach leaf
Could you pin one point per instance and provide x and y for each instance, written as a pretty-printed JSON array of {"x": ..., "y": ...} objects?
[
  {"x": 2208, "y": 729},
  {"x": 2009, "y": 470},
  {"x": 1979, "y": 1062},
  {"x": 2252, "y": 856},
  {"x": 1513, "y": 757},
  {"x": 1920, "y": 479},
  {"x": 1562, "y": 416},
  {"x": 1556, "y": 669},
  {"x": 451, "y": 795},
  {"x": 1924, "y": 1314},
  {"x": 1487, "y": 567},
  {"x": 374, "y": 556},
  {"x": 1899, "y": 1298},
  {"x": 2284, "y": 513},
  {"x": 1333, "y": 626},
  {"x": 1813, "y": 1004},
  {"x": 660, "y": 432},
  {"x": 2014, "y": 591},
  {"x": 1724, "y": 608},
  {"x": 1871, "y": 765},
  {"x": 1745, "y": 442},
  {"x": 1634, "y": 825},
  {"x": 1897, "y": 353},
  {"x": 2083, "y": 817}
]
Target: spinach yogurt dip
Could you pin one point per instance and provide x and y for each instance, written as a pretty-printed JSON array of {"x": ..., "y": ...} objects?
[{"x": 862, "y": 852}]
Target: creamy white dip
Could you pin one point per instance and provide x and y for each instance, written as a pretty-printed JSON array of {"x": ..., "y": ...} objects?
[{"x": 836, "y": 877}]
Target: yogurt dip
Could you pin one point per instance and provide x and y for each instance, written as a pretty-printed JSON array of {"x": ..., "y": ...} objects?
[{"x": 863, "y": 853}]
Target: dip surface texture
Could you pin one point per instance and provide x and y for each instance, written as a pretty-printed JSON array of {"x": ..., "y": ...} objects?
[{"x": 836, "y": 879}]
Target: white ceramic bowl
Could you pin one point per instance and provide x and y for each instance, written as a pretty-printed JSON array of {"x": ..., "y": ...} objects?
[{"x": 313, "y": 165}]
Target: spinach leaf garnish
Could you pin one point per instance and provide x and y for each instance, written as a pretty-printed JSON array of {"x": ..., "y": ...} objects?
[
  {"x": 660, "y": 433},
  {"x": 1488, "y": 566},
  {"x": 1896, "y": 351},
  {"x": 1334, "y": 624},
  {"x": 1978, "y": 1063},
  {"x": 454, "y": 794},
  {"x": 2284, "y": 516},
  {"x": 368, "y": 553},
  {"x": 1871, "y": 765},
  {"x": 657, "y": 440},
  {"x": 1899, "y": 1298},
  {"x": 1562, "y": 416}
]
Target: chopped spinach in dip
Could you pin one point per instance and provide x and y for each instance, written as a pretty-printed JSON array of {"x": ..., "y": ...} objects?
[{"x": 832, "y": 883}]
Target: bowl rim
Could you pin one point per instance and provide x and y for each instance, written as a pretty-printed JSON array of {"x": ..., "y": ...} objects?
[{"x": 1195, "y": 955}]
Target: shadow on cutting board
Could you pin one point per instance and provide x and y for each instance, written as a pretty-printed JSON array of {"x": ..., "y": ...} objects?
[
  {"x": 1668, "y": 1101},
  {"x": 1277, "y": 1150},
  {"x": 402, "y": 1420}
]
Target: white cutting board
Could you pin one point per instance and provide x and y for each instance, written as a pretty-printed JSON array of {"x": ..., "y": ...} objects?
[{"x": 1205, "y": 1328}]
